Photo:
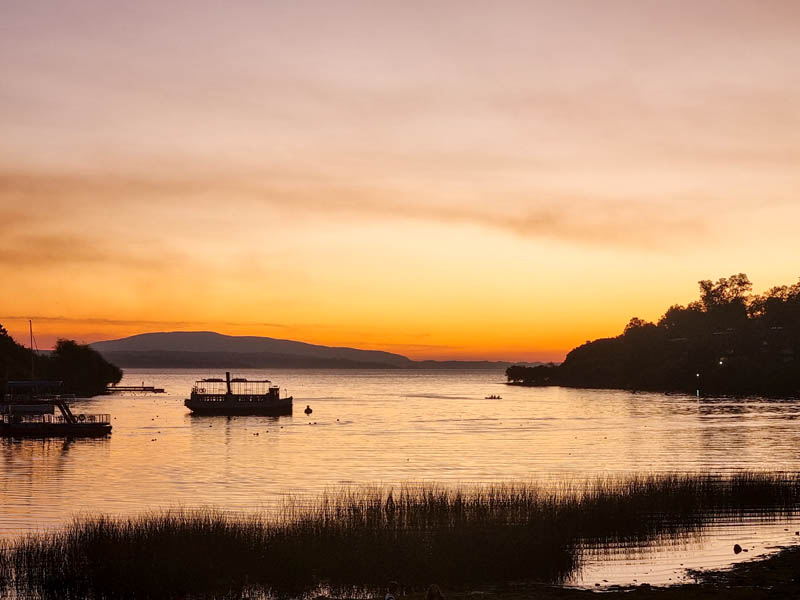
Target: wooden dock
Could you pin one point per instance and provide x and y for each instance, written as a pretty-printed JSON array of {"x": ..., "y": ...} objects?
[{"x": 143, "y": 389}]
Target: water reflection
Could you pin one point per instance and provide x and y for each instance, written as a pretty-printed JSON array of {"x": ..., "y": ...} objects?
[
  {"x": 45, "y": 453},
  {"x": 670, "y": 556},
  {"x": 379, "y": 426}
]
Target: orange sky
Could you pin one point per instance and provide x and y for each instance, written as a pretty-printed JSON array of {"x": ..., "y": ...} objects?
[{"x": 443, "y": 180}]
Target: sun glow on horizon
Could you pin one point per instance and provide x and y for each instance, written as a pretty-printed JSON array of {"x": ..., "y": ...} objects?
[{"x": 454, "y": 183}]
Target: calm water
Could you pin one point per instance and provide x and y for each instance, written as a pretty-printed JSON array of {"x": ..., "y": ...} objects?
[{"x": 391, "y": 427}]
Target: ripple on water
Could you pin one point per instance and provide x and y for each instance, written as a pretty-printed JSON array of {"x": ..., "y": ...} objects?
[{"x": 396, "y": 426}]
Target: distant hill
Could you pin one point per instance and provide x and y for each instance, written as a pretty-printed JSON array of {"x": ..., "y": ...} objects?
[
  {"x": 207, "y": 349},
  {"x": 729, "y": 342}
]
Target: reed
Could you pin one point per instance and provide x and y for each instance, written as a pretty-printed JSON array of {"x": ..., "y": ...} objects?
[{"x": 367, "y": 536}]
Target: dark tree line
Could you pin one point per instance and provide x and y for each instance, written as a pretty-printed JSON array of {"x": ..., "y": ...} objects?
[
  {"x": 82, "y": 370},
  {"x": 729, "y": 341}
]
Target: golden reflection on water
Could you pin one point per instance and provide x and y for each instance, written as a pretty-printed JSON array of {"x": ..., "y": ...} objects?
[
  {"x": 379, "y": 427},
  {"x": 665, "y": 559}
]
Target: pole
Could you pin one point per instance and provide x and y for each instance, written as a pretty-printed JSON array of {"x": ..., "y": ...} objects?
[{"x": 30, "y": 327}]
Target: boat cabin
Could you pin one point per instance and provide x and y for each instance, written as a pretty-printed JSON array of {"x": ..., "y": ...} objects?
[{"x": 238, "y": 388}]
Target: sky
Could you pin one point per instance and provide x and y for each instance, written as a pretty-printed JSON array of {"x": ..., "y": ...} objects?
[{"x": 447, "y": 179}]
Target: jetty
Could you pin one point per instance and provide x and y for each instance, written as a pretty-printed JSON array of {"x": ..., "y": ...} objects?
[{"x": 145, "y": 389}]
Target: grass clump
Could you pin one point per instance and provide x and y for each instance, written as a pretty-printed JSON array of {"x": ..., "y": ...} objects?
[{"x": 368, "y": 536}]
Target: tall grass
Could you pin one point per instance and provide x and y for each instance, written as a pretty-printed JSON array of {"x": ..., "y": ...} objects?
[{"x": 367, "y": 536}]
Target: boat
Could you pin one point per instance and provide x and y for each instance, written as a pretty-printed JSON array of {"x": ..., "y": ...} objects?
[
  {"x": 237, "y": 396},
  {"x": 28, "y": 409},
  {"x": 493, "y": 397}
]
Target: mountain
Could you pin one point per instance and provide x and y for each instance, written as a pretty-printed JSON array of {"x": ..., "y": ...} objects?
[{"x": 207, "y": 349}]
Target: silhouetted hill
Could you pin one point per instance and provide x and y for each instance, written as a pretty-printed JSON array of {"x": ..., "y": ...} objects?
[
  {"x": 728, "y": 342},
  {"x": 206, "y": 349},
  {"x": 184, "y": 346}
]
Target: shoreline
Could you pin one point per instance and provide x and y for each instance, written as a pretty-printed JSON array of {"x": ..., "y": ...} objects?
[
  {"x": 665, "y": 391},
  {"x": 493, "y": 540},
  {"x": 774, "y": 576}
]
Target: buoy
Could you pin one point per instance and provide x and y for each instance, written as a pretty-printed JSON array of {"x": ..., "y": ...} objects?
[{"x": 308, "y": 410}]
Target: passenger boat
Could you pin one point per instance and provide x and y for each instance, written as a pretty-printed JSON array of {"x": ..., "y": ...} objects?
[
  {"x": 26, "y": 410},
  {"x": 237, "y": 397}
]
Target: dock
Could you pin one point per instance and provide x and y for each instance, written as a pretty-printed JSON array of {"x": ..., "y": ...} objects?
[{"x": 144, "y": 389}]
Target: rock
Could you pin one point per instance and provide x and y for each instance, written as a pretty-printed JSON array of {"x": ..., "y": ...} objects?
[{"x": 737, "y": 548}]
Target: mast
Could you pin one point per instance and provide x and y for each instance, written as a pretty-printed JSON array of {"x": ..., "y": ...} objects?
[{"x": 30, "y": 327}]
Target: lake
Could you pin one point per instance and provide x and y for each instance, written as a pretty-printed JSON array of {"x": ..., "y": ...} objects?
[{"x": 389, "y": 427}]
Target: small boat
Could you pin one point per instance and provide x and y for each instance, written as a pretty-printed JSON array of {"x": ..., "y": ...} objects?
[
  {"x": 26, "y": 412},
  {"x": 493, "y": 397},
  {"x": 237, "y": 396}
]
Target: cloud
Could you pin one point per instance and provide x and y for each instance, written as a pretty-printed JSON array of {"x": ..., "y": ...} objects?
[
  {"x": 123, "y": 212},
  {"x": 137, "y": 322},
  {"x": 584, "y": 222},
  {"x": 33, "y": 250}
]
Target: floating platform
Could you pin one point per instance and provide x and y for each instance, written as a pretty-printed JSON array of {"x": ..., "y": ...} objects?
[
  {"x": 145, "y": 389},
  {"x": 36, "y": 417}
]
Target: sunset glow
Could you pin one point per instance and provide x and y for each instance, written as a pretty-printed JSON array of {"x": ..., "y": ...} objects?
[{"x": 442, "y": 180}]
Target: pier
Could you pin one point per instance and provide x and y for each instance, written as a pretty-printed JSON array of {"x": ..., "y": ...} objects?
[{"x": 145, "y": 389}]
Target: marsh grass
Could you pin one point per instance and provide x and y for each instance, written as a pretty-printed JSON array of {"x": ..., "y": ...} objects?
[{"x": 367, "y": 536}]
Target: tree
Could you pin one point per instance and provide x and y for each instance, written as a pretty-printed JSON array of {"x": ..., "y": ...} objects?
[
  {"x": 732, "y": 290},
  {"x": 82, "y": 369},
  {"x": 635, "y": 325},
  {"x": 741, "y": 343}
]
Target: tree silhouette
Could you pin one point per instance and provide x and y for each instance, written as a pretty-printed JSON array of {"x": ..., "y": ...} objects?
[
  {"x": 740, "y": 344},
  {"x": 82, "y": 369}
]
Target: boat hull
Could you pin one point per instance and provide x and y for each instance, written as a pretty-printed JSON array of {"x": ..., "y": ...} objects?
[
  {"x": 40, "y": 430},
  {"x": 270, "y": 408}
]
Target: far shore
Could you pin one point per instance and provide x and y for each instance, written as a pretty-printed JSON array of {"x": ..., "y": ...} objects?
[{"x": 664, "y": 391}]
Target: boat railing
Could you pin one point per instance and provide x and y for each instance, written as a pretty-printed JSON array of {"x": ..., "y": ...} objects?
[
  {"x": 58, "y": 419},
  {"x": 237, "y": 389},
  {"x": 211, "y": 397},
  {"x": 39, "y": 399}
]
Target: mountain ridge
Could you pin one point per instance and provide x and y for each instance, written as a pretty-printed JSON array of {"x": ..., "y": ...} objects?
[{"x": 206, "y": 349}]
